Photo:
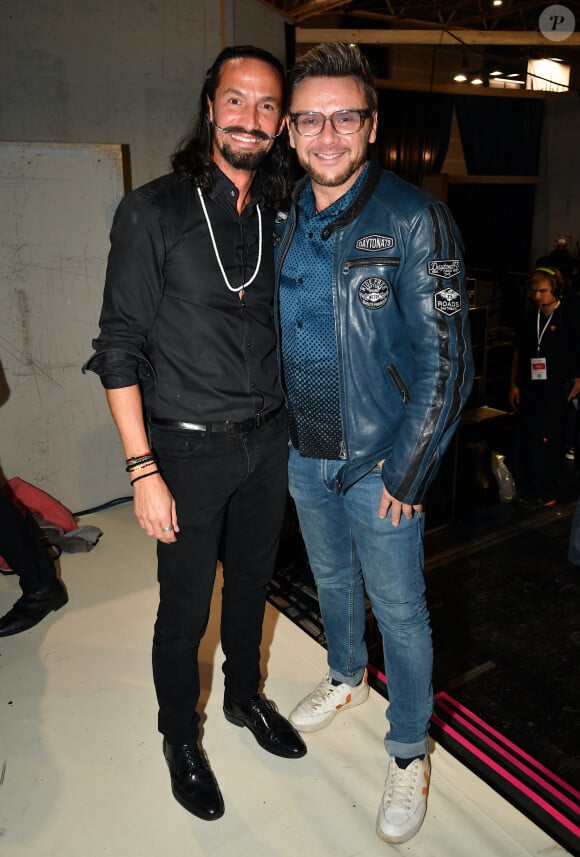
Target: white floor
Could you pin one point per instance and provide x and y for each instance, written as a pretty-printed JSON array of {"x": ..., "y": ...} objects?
[{"x": 81, "y": 769}]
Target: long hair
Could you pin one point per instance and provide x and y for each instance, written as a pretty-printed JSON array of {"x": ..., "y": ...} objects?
[
  {"x": 193, "y": 156},
  {"x": 335, "y": 59}
]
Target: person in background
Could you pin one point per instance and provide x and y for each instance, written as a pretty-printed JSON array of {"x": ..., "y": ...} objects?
[
  {"x": 574, "y": 544},
  {"x": 377, "y": 366},
  {"x": 187, "y": 335},
  {"x": 545, "y": 378},
  {"x": 22, "y": 548}
]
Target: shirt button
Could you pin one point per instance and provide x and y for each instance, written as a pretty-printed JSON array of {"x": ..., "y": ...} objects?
[
  {"x": 310, "y": 234},
  {"x": 248, "y": 344},
  {"x": 299, "y": 324},
  {"x": 300, "y": 280}
]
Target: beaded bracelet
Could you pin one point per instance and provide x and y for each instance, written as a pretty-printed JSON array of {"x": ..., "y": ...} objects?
[{"x": 143, "y": 476}]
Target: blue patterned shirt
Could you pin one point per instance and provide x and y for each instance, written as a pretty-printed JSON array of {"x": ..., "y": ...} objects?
[{"x": 308, "y": 331}]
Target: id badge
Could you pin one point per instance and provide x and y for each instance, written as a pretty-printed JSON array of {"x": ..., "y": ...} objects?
[{"x": 539, "y": 368}]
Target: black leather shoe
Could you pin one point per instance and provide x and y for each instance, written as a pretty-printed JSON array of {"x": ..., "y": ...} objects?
[
  {"x": 31, "y": 608},
  {"x": 192, "y": 781},
  {"x": 272, "y": 731}
]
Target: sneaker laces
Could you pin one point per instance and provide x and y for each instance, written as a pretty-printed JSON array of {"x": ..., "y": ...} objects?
[
  {"x": 322, "y": 693},
  {"x": 402, "y": 786}
]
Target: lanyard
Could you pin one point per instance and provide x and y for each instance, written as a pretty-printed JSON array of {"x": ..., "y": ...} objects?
[{"x": 548, "y": 320}]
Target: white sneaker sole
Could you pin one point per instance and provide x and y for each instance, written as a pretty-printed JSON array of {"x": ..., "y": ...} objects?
[{"x": 398, "y": 838}]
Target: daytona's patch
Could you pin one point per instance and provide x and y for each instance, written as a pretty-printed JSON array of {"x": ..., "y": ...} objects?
[
  {"x": 372, "y": 243},
  {"x": 445, "y": 268},
  {"x": 447, "y": 301},
  {"x": 373, "y": 293}
]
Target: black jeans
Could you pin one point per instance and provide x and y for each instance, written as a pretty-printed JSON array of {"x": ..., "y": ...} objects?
[
  {"x": 23, "y": 549},
  {"x": 230, "y": 493}
]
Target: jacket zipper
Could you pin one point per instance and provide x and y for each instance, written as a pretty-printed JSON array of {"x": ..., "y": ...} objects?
[
  {"x": 399, "y": 383},
  {"x": 386, "y": 261}
]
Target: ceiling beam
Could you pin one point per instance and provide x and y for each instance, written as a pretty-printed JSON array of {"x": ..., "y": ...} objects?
[{"x": 306, "y": 35}]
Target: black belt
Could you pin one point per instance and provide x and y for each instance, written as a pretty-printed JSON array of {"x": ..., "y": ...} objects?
[{"x": 226, "y": 427}]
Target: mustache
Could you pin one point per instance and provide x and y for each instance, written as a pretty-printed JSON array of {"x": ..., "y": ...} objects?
[{"x": 237, "y": 129}]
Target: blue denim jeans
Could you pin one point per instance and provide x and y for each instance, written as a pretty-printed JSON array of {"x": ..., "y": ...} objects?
[{"x": 352, "y": 550}]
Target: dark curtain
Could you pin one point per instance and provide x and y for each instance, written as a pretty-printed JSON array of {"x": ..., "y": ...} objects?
[
  {"x": 500, "y": 136},
  {"x": 413, "y": 132},
  {"x": 496, "y": 223}
]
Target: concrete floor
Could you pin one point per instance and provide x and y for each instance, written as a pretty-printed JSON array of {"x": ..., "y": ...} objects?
[{"x": 81, "y": 769}]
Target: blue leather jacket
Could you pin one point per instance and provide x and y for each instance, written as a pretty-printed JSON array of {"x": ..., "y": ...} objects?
[{"x": 402, "y": 328}]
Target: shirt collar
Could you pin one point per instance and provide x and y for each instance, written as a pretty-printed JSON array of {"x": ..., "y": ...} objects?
[{"x": 223, "y": 187}]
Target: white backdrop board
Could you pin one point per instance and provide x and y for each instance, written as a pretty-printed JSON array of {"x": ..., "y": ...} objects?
[{"x": 56, "y": 208}]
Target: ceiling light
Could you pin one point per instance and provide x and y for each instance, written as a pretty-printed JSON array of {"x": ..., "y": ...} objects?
[
  {"x": 508, "y": 80},
  {"x": 477, "y": 81},
  {"x": 495, "y": 73},
  {"x": 514, "y": 74},
  {"x": 498, "y": 2},
  {"x": 460, "y": 78}
]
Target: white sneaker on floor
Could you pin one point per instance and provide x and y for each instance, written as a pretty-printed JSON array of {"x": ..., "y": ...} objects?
[
  {"x": 317, "y": 709},
  {"x": 404, "y": 802}
]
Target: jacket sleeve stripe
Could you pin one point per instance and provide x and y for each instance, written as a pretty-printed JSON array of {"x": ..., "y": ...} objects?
[{"x": 453, "y": 380}]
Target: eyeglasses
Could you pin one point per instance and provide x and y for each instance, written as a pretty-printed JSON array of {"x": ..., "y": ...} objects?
[{"x": 343, "y": 122}]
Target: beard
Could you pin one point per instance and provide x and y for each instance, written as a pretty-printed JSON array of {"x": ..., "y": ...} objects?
[
  {"x": 338, "y": 179},
  {"x": 243, "y": 160}
]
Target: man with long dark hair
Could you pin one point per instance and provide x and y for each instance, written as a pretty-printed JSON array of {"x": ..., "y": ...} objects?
[{"x": 187, "y": 336}]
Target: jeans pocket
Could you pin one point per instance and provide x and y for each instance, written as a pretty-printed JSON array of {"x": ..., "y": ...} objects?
[{"x": 175, "y": 443}]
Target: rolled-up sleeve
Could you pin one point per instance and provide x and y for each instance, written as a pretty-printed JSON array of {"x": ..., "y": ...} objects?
[{"x": 133, "y": 292}]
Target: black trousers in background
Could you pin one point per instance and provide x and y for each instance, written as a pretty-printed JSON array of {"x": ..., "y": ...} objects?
[
  {"x": 23, "y": 549},
  {"x": 538, "y": 455},
  {"x": 230, "y": 493}
]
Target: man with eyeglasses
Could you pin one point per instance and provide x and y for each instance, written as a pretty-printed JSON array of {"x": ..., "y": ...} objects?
[{"x": 375, "y": 349}]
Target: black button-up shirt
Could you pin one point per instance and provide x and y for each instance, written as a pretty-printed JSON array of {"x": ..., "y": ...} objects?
[{"x": 169, "y": 321}]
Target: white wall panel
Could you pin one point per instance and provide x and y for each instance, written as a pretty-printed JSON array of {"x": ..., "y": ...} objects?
[{"x": 56, "y": 207}]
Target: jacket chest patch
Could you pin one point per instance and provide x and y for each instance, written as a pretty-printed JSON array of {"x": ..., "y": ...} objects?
[
  {"x": 372, "y": 243},
  {"x": 445, "y": 268},
  {"x": 373, "y": 293},
  {"x": 447, "y": 301}
]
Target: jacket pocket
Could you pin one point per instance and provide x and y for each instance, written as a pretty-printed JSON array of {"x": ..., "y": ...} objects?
[
  {"x": 399, "y": 383},
  {"x": 375, "y": 262}
]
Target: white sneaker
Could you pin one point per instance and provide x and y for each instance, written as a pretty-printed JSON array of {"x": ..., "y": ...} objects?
[
  {"x": 404, "y": 802},
  {"x": 317, "y": 709}
]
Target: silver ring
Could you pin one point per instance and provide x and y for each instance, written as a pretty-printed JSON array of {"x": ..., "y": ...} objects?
[{"x": 166, "y": 529}]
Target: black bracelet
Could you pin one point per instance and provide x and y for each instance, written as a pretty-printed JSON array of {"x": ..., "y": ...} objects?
[
  {"x": 139, "y": 464},
  {"x": 137, "y": 478}
]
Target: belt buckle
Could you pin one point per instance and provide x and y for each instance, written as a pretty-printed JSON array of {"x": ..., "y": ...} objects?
[
  {"x": 228, "y": 426},
  {"x": 259, "y": 421}
]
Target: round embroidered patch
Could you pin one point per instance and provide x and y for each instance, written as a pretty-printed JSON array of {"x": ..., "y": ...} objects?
[{"x": 373, "y": 293}]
